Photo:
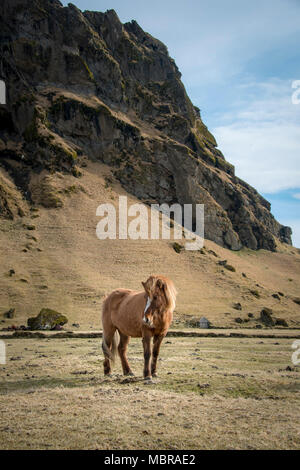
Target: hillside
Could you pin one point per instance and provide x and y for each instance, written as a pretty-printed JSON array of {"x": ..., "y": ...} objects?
[{"x": 61, "y": 264}]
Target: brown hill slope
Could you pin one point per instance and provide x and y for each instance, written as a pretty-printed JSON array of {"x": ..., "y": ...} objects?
[{"x": 61, "y": 263}]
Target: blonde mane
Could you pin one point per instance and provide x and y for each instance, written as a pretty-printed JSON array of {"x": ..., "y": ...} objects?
[
  {"x": 171, "y": 294},
  {"x": 169, "y": 289}
]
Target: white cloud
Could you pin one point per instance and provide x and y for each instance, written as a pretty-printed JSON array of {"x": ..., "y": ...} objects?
[
  {"x": 213, "y": 43},
  {"x": 262, "y": 137}
]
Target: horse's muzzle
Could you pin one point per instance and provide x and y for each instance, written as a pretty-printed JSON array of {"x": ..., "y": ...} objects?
[{"x": 147, "y": 322}]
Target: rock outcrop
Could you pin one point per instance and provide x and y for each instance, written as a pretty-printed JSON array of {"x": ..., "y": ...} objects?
[
  {"x": 47, "y": 319},
  {"x": 83, "y": 85}
]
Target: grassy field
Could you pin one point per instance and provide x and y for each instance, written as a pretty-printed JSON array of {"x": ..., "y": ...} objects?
[{"x": 212, "y": 393}]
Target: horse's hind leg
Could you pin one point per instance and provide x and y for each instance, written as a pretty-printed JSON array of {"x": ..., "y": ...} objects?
[
  {"x": 108, "y": 347},
  {"x": 122, "y": 349},
  {"x": 107, "y": 367}
]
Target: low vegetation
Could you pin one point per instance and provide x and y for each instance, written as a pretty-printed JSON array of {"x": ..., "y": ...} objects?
[{"x": 226, "y": 393}]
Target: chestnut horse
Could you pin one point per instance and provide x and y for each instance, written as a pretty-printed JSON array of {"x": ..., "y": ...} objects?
[{"x": 147, "y": 314}]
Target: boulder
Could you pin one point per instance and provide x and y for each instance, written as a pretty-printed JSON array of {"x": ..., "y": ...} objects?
[
  {"x": 223, "y": 262},
  {"x": 276, "y": 296},
  {"x": 229, "y": 267},
  {"x": 212, "y": 252},
  {"x": 255, "y": 293},
  {"x": 281, "y": 322},
  {"x": 226, "y": 266},
  {"x": 266, "y": 317},
  {"x": 237, "y": 306},
  {"x": 177, "y": 247},
  {"x": 47, "y": 319},
  {"x": 10, "y": 313}
]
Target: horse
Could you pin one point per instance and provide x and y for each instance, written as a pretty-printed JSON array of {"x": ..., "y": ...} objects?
[{"x": 143, "y": 314}]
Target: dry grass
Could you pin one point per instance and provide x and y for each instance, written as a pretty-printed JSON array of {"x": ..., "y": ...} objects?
[{"x": 211, "y": 394}]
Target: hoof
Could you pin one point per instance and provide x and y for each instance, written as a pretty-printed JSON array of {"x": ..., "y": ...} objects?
[
  {"x": 148, "y": 380},
  {"x": 129, "y": 374},
  {"x": 155, "y": 375},
  {"x": 108, "y": 376}
]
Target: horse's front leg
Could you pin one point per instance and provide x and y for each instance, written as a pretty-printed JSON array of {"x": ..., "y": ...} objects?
[
  {"x": 122, "y": 348},
  {"x": 147, "y": 355},
  {"x": 156, "y": 346}
]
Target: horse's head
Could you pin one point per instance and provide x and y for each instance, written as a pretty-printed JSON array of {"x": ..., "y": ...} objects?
[{"x": 160, "y": 295}]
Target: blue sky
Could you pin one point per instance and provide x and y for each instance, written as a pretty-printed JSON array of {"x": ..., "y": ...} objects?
[{"x": 238, "y": 61}]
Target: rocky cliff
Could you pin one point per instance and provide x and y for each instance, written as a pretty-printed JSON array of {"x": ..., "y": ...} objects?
[{"x": 81, "y": 85}]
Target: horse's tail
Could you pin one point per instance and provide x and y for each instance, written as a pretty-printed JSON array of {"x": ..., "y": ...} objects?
[
  {"x": 110, "y": 335},
  {"x": 110, "y": 353}
]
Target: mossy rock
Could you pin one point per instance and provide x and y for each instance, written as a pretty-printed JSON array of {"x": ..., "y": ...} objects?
[
  {"x": 10, "y": 313},
  {"x": 47, "y": 319},
  {"x": 177, "y": 247},
  {"x": 266, "y": 317},
  {"x": 276, "y": 296},
  {"x": 50, "y": 199},
  {"x": 212, "y": 252},
  {"x": 89, "y": 72},
  {"x": 281, "y": 322},
  {"x": 225, "y": 166},
  {"x": 230, "y": 268},
  {"x": 76, "y": 172},
  {"x": 192, "y": 322},
  {"x": 202, "y": 129},
  {"x": 237, "y": 306}
]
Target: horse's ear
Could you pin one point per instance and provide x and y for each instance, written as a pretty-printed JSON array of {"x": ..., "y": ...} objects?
[{"x": 144, "y": 286}]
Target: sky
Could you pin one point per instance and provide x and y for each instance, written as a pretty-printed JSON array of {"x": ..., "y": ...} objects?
[{"x": 239, "y": 62}]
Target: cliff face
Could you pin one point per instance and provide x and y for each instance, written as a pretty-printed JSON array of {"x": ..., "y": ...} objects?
[{"x": 83, "y": 85}]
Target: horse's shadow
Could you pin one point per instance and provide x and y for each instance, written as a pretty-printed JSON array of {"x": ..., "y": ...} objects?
[{"x": 120, "y": 379}]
